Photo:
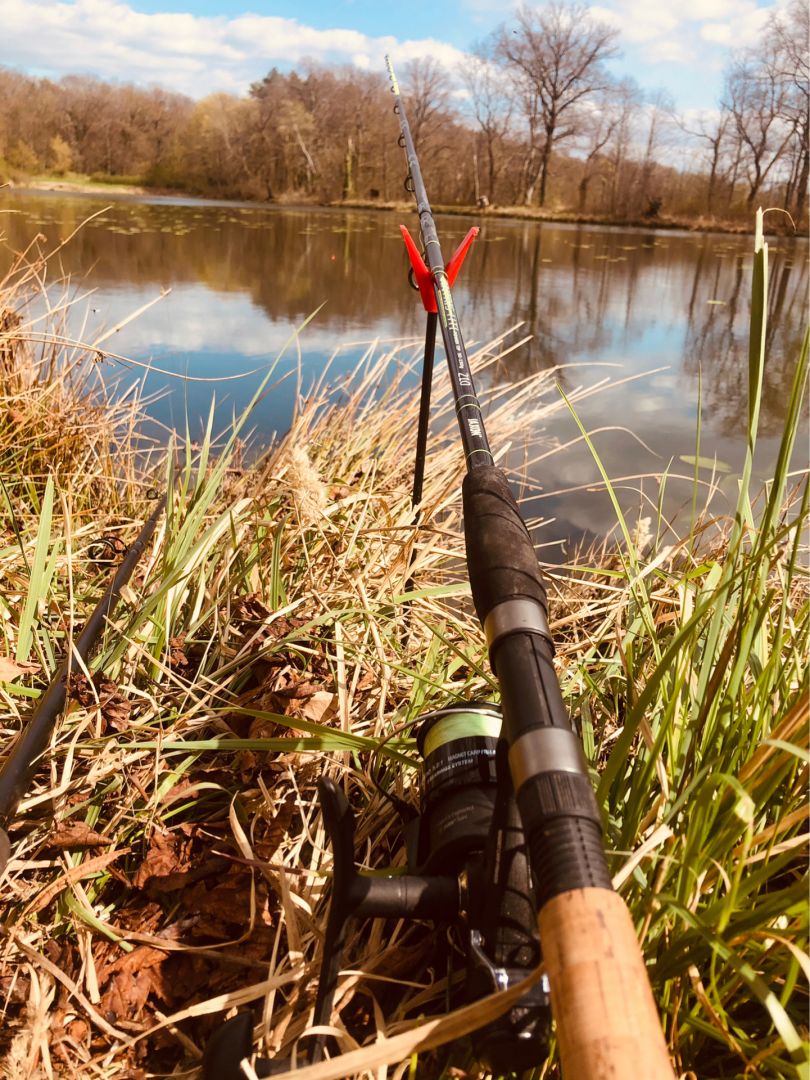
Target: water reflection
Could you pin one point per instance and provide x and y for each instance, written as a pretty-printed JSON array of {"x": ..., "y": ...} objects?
[{"x": 242, "y": 278}]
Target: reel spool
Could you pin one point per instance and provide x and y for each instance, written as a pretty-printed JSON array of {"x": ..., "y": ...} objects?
[{"x": 459, "y": 783}]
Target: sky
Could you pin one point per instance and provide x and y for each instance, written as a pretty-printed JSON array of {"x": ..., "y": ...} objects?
[{"x": 198, "y": 47}]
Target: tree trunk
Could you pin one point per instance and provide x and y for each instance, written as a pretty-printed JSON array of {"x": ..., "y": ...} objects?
[
  {"x": 583, "y": 192},
  {"x": 544, "y": 162},
  {"x": 348, "y": 177}
]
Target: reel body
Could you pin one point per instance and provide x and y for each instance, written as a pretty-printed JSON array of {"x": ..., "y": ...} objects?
[{"x": 467, "y": 869}]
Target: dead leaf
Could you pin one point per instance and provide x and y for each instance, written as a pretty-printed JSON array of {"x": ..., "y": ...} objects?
[
  {"x": 303, "y": 688},
  {"x": 249, "y": 609},
  {"x": 11, "y": 670},
  {"x": 115, "y": 708},
  {"x": 267, "y": 842},
  {"x": 80, "y": 689},
  {"x": 318, "y": 708},
  {"x": 71, "y": 876},
  {"x": 167, "y": 856},
  {"x": 177, "y": 655},
  {"x": 76, "y": 834},
  {"x": 132, "y": 979},
  {"x": 78, "y": 1031}
]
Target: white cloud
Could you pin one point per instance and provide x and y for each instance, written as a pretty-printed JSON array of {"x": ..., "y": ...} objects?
[
  {"x": 743, "y": 30},
  {"x": 638, "y": 21},
  {"x": 196, "y": 55},
  {"x": 675, "y": 29}
]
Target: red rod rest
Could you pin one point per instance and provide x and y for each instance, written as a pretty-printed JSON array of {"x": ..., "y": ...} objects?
[{"x": 424, "y": 277}]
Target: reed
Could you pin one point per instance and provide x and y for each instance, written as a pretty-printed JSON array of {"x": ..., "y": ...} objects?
[{"x": 170, "y": 862}]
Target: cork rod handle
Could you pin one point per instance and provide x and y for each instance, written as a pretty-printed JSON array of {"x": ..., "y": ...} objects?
[{"x": 607, "y": 1023}]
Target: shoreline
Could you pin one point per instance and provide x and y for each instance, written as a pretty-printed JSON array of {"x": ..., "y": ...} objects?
[{"x": 510, "y": 213}]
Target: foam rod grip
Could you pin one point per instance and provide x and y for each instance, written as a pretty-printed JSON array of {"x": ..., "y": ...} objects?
[
  {"x": 607, "y": 1022},
  {"x": 501, "y": 561}
]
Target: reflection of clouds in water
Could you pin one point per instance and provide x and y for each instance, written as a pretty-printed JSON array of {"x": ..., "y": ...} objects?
[
  {"x": 193, "y": 318},
  {"x": 649, "y": 404},
  {"x": 666, "y": 382}
]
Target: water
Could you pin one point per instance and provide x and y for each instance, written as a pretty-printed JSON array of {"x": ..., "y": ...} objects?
[{"x": 599, "y": 301}]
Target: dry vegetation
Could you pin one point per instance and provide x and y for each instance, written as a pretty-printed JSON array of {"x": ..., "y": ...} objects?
[
  {"x": 541, "y": 122},
  {"x": 170, "y": 863}
]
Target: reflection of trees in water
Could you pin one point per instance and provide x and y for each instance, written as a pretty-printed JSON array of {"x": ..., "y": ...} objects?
[
  {"x": 717, "y": 339},
  {"x": 577, "y": 291},
  {"x": 581, "y": 293}
]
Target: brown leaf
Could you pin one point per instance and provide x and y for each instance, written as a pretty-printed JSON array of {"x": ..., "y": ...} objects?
[
  {"x": 132, "y": 979},
  {"x": 226, "y": 904},
  {"x": 167, "y": 856},
  {"x": 284, "y": 626},
  {"x": 74, "y": 874},
  {"x": 266, "y": 843},
  {"x": 76, "y": 834},
  {"x": 115, "y": 708},
  {"x": 80, "y": 689},
  {"x": 249, "y": 609},
  {"x": 368, "y": 679},
  {"x": 78, "y": 1031},
  {"x": 177, "y": 655},
  {"x": 10, "y": 669},
  {"x": 318, "y": 708},
  {"x": 141, "y": 958},
  {"x": 303, "y": 688}
]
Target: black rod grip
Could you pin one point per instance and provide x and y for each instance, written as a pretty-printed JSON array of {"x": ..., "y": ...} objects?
[
  {"x": 501, "y": 561},
  {"x": 558, "y": 807}
]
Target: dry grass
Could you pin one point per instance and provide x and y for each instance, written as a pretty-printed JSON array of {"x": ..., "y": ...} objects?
[{"x": 170, "y": 863}]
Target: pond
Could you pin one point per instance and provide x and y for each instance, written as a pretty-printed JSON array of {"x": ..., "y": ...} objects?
[{"x": 669, "y": 307}]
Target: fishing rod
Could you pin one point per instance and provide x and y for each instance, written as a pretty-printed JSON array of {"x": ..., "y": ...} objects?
[
  {"x": 605, "y": 1015},
  {"x": 506, "y": 849},
  {"x": 25, "y": 757}
]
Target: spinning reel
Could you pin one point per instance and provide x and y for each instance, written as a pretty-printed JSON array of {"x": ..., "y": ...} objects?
[{"x": 467, "y": 868}]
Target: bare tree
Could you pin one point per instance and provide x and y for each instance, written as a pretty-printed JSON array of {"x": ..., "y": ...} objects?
[
  {"x": 491, "y": 107},
  {"x": 599, "y": 119},
  {"x": 627, "y": 101},
  {"x": 556, "y": 55},
  {"x": 661, "y": 110},
  {"x": 789, "y": 32},
  {"x": 427, "y": 89},
  {"x": 756, "y": 99},
  {"x": 712, "y": 129}
]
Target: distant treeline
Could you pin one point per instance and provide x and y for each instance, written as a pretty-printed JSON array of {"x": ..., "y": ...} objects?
[{"x": 539, "y": 122}]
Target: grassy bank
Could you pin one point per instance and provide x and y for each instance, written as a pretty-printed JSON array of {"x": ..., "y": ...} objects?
[
  {"x": 83, "y": 184},
  {"x": 170, "y": 861},
  {"x": 563, "y": 215},
  {"x": 91, "y": 185}
]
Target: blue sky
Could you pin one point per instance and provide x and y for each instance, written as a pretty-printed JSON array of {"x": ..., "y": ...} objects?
[{"x": 201, "y": 46}]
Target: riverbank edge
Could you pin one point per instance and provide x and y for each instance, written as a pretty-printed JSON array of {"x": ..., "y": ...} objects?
[{"x": 701, "y": 224}]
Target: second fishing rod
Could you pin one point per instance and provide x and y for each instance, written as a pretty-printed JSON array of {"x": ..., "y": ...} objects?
[{"x": 606, "y": 1020}]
